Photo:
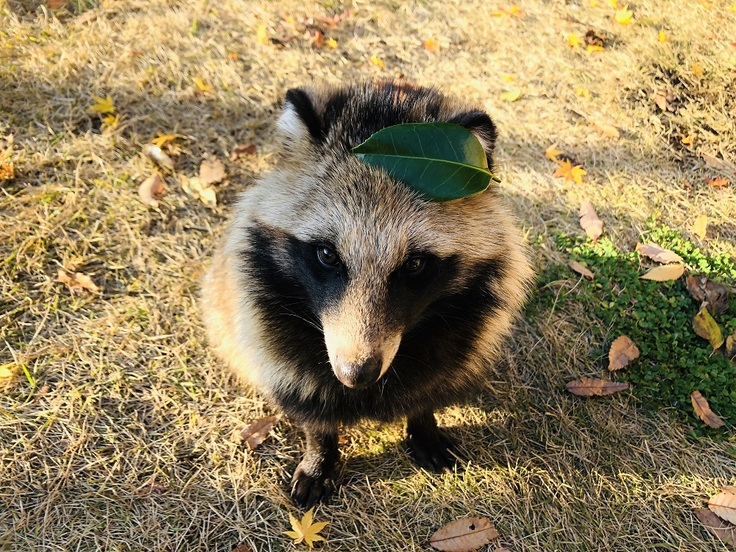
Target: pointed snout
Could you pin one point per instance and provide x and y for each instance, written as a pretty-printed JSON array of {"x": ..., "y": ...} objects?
[{"x": 358, "y": 375}]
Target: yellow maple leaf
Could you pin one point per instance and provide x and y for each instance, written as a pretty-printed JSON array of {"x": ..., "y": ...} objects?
[
  {"x": 570, "y": 173},
  {"x": 262, "y": 34},
  {"x": 162, "y": 139},
  {"x": 697, "y": 70},
  {"x": 202, "y": 85},
  {"x": 102, "y": 105},
  {"x": 513, "y": 10},
  {"x": 732, "y": 7},
  {"x": 582, "y": 92},
  {"x": 511, "y": 95},
  {"x": 687, "y": 140},
  {"x": 613, "y": 4},
  {"x": 110, "y": 121},
  {"x": 7, "y": 171},
  {"x": 662, "y": 36},
  {"x": 624, "y": 15},
  {"x": 508, "y": 78},
  {"x": 331, "y": 43},
  {"x": 553, "y": 153},
  {"x": 306, "y": 531},
  {"x": 431, "y": 45},
  {"x": 594, "y": 48},
  {"x": 574, "y": 40},
  {"x": 378, "y": 62}
]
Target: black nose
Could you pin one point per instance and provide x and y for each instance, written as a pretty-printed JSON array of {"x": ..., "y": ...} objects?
[{"x": 361, "y": 374}]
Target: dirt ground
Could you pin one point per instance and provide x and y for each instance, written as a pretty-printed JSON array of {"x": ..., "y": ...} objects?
[{"x": 118, "y": 426}]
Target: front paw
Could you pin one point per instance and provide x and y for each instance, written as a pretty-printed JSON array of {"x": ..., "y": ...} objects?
[
  {"x": 434, "y": 452},
  {"x": 307, "y": 489}
]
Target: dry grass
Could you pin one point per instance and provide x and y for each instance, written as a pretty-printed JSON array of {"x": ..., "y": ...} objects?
[{"x": 116, "y": 431}]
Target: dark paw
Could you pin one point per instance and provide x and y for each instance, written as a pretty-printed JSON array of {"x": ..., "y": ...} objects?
[
  {"x": 307, "y": 490},
  {"x": 436, "y": 452}
]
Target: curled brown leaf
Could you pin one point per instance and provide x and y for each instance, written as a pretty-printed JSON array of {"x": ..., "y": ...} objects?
[
  {"x": 589, "y": 220},
  {"x": 703, "y": 411},
  {"x": 150, "y": 188},
  {"x": 622, "y": 351},
  {"x": 463, "y": 535},
  {"x": 589, "y": 387}
]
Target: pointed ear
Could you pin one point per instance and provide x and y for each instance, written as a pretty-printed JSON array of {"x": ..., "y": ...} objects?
[
  {"x": 480, "y": 124},
  {"x": 299, "y": 121}
]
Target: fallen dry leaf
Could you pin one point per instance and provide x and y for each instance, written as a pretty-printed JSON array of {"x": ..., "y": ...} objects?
[
  {"x": 318, "y": 39},
  {"x": 155, "y": 154},
  {"x": 622, "y": 351},
  {"x": 305, "y": 531},
  {"x": 211, "y": 171},
  {"x": 707, "y": 328},
  {"x": 657, "y": 253},
  {"x": 150, "y": 188},
  {"x": 718, "y": 182},
  {"x": 570, "y": 173},
  {"x": 662, "y": 36},
  {"x": 378, "y": 62},
  {"x": 513, "y": 10},
  {"x": 582, "y": 270},
  {"x": 431, "y": 45},
  {"x": 242, "y": 149},
  {"x": 6, "y": 371},
  {"x": 582, "y": 92},
  {"x": 162, "y": 139},
  {"x": 707, "y": 291},
  {"x": 589, "y": 221},
  {"x": 76, "y": 281},
  {"x": 334, "y": 21},
  {"x": 242, "y": 547},
  {"x": 553, "y": 153},
  {"x": 664, "y": 273},
  {"x": 723, "y": 505},
  {"x": 700, "y": 226},
  {"x": 193, "y": 187},
  {"x": 463, "y": 535},
  {"x": 589, "y": 387},
  {"x": 511, "y": 95},
  {"x": 703, "y": 411},
  {"x": 714, "y": 524},
  {"x": 624, "y": 16},
  {"x": 331, "y": 43},
  {"x": 262, "y": 34},
  {"x": 731, "y": 346},
  {"x": 697, "y": 70},
  {"x": 714, "y": 162},
  {"x": 7, "y": 171},
  {"x": 574, "y": 40},
  {"x": 102, "y": 105},
  {"x": 258, "y": 431},
  {"x": 609, "y": 131},
  {"x": 202, "y": 86}
]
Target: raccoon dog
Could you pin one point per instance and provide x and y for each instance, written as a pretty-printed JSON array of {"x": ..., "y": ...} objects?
[{"x": 343, "y": 295}]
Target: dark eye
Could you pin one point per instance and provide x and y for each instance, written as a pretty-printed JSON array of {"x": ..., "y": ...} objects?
[
  {"x": 415, "y": 265},
  {"x": 327, "y": 256}
]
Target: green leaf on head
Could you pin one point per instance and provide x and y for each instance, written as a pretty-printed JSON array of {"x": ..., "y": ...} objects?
[{"x": 441, "y": 161}]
